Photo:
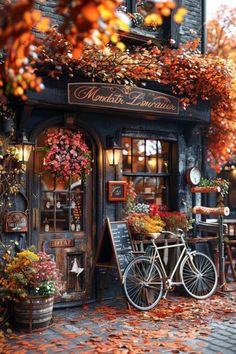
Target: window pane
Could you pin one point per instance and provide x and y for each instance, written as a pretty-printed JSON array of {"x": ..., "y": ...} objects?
[
  {"x": 138, "y": 164},
  {"x": 163, "y": 157},
  {"x": 139, "y": 147},
  {"x": 47, "y": 221},
  {"x": 61, "y": 183},
  {"x": 151, "y": 147},
  {"x": 151, "y": 164},
  {"x": 127, "y": 163},
  {"x": 47, "y": 181},
  {"x": 47, "y": 201},
  {"x": 62, "y": 211},
  {"x": 126, "y": 145},
  {"x": 138, "y": 184},
  {"x": 76, "y": 210},
  {"x": 150, "y": 190}
]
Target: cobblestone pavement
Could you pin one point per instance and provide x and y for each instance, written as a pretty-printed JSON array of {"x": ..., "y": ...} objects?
[{"x": 112, "y": 328}]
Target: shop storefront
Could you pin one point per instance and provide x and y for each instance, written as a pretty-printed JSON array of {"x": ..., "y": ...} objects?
[{"x": 158, "y": 142}]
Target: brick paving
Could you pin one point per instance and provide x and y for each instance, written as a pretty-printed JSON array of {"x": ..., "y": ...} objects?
[{"x": 111, "y": 328}]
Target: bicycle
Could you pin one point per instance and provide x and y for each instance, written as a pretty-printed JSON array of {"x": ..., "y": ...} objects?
[{"x": 145, "y": 278}]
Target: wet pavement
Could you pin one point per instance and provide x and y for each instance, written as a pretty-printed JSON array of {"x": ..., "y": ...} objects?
[{"x": 178, "y": 324}]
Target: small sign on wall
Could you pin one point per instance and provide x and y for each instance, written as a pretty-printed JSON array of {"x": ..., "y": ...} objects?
[
  {"x": 59, "y": 242},
  {"x": 117, "y": 191},
  {"x": 15, "y": 221}
]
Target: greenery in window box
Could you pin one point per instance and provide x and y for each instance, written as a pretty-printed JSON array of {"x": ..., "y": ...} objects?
[{"x": 216, "y": 182}]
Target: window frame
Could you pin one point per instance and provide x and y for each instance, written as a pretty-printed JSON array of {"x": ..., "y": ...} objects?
[
  {"x": 131, "y": 7},
  {"x": 171, "y": 175}
]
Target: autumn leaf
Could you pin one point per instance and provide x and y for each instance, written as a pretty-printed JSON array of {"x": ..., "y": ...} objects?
[{"x": 43, "y": 25}]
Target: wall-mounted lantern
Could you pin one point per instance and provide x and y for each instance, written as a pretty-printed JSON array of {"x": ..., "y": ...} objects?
[
  {"x": 24, "y": 148},
  {"x": 114, "y": 152}
]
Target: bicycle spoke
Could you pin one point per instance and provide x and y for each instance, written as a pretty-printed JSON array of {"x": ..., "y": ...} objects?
[
  {"x": 199, "y": 276},
  {"x": 143, "y": 284}
]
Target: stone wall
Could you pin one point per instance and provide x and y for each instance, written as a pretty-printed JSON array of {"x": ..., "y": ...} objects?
[
  {"x": 192, "y": 25},
  {"x": 48, "y": 9},
  {"x": 190, "y": 28}
]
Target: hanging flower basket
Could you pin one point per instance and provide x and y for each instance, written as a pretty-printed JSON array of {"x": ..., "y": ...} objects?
[{"x": 67, "y": 154}]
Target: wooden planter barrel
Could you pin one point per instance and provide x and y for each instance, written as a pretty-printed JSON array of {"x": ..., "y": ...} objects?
[{"x": 33, "y": 313}]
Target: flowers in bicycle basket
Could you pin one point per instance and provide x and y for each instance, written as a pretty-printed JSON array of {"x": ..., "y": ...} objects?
[
  {"x": 141, "y": 223},
  {"x": 145, "y": 218},
  {"x": 173, "y": 219},
  {"x": 67, "y": 154}
]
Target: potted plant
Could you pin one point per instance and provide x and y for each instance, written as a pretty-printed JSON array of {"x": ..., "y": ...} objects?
[
  {"x": 207, "y": 185},
  {"x": 31, "y": 280}
]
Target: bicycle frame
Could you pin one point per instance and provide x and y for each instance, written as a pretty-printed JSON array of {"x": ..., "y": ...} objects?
[
  {"x": 145, "y": 278},
  {"x": 156, "y": 256}
]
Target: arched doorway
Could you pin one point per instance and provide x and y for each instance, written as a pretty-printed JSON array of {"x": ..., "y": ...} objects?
[{"x": 62, "y": 217}]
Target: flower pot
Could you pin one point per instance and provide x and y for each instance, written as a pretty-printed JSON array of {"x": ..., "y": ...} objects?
[{"x": 33, "y": 313}]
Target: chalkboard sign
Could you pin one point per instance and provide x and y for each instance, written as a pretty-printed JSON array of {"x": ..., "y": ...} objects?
[
  {"x": 122, "y": 245},
  {"x": 115, "y": 243}
]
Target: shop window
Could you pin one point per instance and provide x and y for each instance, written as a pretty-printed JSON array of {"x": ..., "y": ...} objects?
[
  {"x": 148, "y": 163},
  {"x": 136, "y": 9},
  {"x": 62, "y": 201}
]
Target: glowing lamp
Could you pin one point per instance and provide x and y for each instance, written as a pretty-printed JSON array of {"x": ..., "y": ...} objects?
[
  {"x": 24, "y": 148},
  {"x": 114, "y": 153}
]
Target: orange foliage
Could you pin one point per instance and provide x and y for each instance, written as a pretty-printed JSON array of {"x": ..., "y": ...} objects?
[
  {"x": 88, "y": 23},
  {"x": 222, "y": 44},
  {"x": 221, "y": 36},
  {"x": 191, "y": 75},
  {"x": 84, "y": 23},
  {"x": 17, "y": 39},
  {"x": 115, "y": 329},
  {"x": 91, "y": 22}
]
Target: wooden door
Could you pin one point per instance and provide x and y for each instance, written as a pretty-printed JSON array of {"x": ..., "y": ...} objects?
[{"x": 62, "y": 221}]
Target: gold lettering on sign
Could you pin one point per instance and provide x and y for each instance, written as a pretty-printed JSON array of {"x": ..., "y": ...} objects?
[
  {"x": 160, "y": 102},
  {"x": 121, "y": 97},
  {"x": 94, "y": 94},
  {"x": 62, "y": 243}
]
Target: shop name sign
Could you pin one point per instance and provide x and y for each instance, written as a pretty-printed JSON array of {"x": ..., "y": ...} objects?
[
  {"x": 62, "y": 242},
  {"x": 121, "y": 97}
]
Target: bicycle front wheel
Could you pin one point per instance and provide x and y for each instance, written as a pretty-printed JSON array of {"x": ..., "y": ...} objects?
[
  {"x": 143, "y": 283},
  {"x": 198, "y": 275}
]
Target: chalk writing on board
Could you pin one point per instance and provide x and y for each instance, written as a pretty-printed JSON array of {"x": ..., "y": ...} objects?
[{"x": 122, "y": 242}]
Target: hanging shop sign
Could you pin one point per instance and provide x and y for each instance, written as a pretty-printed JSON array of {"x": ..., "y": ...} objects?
[{"x": 122, "y": 97}]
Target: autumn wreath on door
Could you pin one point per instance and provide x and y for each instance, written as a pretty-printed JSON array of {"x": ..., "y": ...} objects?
[{"x": 67, "y": 154}]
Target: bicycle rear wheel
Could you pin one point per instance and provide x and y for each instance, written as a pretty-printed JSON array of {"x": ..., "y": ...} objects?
[
  {"x": 143, "y": 283},
  {"x": 199, "y": 276}
]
